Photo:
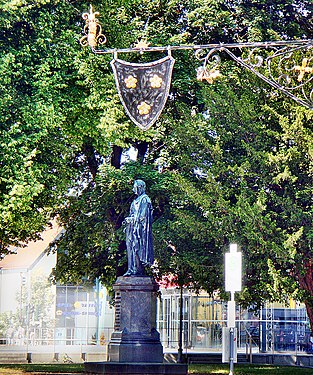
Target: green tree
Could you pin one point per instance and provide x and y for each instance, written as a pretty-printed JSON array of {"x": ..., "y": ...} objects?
[
  {"x": 266, "y": 171},
  {"x": 36, "y": 152}
]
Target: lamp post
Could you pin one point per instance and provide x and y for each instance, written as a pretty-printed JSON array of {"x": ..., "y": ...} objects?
[{"x": 233, "y": 266}]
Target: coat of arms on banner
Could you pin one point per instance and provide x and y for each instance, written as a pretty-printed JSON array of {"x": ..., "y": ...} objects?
[{"x": 143, "y": 88}]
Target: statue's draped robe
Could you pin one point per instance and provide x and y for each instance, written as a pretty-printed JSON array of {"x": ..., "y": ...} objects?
[{"x": 139, "y": 233}]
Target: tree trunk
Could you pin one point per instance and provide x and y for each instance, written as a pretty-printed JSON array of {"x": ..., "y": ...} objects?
[
  {"x": 116, "y": 156},
  {"x": 309, "y": 310},
  {"x": 142, "y": 148},
  {"x": 90, "y": 154}
]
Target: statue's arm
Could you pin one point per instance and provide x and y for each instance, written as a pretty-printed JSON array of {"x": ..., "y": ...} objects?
[{"x": 128, "y": 220}]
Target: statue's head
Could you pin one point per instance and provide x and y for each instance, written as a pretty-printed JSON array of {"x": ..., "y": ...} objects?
[{"x": 139, "y": 187}]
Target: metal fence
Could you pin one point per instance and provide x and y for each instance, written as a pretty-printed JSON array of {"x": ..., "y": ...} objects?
[
  {"x": 256, "y": 336},
  {"x": 57, "y": 336}
]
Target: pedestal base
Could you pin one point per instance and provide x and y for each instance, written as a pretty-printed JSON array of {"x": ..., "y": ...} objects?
[
  {"x": 116, "y": 368},
  {"x": 135, "y": 338},
  {"x": 135, "y": 347}
]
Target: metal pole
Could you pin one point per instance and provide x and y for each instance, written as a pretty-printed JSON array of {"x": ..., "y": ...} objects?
[
  {"x": 97, "y": 310},
  {"x": 180, "y": 333},
  {"x": 216, "y": 46},
  {"x": 250, "y": 346},
  {"x": 247, "y": 344},
  {"x": 231, "y": 351},
  {"x": 231, "y": 344}
]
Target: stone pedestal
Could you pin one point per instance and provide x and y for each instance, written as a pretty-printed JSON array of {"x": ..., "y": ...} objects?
[
  {"x": 135, "y": 347},
  {"x": 135, "y": 338}
]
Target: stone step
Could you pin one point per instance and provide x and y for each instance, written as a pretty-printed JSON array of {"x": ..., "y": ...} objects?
[
  {"x": 13, "y": 357},
  {"x": 212, "y": 358},
  {"x": 205, "y": 358}
]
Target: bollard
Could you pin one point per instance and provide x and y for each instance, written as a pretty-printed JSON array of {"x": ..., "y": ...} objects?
[{"x": 29, "y": 357}]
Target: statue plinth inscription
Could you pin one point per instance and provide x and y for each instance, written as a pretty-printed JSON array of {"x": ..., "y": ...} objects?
[{"x": 135, "y": 338}]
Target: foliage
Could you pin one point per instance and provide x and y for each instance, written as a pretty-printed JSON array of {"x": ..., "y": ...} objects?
[
  {"x": 34, "y": 148},
  {"x": 44, "y": 368},
  {"x": 265, "y": 170},
  {"x": 100, "y": 252}
]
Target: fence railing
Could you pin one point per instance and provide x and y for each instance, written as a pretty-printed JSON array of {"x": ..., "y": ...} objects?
[
  {"x": 252, "y": 336},
  {"x": 57, "y": 336},
  {"x": 280, "y": 337}
]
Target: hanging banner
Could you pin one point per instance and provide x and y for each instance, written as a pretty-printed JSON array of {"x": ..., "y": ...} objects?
[{"x": 143, "y": 88}]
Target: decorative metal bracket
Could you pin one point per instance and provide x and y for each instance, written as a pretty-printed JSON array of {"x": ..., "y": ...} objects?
[
  {"x": 285, "y": 65},
  {"x": 93, "y": 30},
  {"x": 285, "y": 68}
]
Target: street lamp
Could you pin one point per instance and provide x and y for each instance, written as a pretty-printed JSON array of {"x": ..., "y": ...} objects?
[{"x": 233, "y": 276}]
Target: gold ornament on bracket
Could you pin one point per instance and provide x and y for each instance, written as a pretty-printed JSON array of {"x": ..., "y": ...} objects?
[
  {"x": 203, "y": 74},
  {"x": 209, "y": 70},
  {"x": 304, "y": 68},
  {"x": 93, "y": 30},
  {"x": 142, "y": 44}
]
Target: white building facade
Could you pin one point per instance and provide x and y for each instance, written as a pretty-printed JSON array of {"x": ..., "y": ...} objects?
[{"x": 34, "y": 312}]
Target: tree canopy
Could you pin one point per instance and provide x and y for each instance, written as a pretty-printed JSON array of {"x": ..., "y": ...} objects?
[{"x": 227, "y": 162}]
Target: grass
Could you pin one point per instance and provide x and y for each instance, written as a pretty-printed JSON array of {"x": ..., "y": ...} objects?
[
  {"x": 248, "y": 370},
  {"x": 19, "y": 369}
]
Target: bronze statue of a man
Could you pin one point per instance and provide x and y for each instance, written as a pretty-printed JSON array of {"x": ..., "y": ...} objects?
[{"x": 139, "y": 232}]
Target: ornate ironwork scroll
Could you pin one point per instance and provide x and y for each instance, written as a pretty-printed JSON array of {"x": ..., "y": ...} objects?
[
  {"x": 143, "y": 88},
  {"x": 93, "y": 30},
  {"x": 287, "y": 68},
  {"x": 209, "y": 70}
]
